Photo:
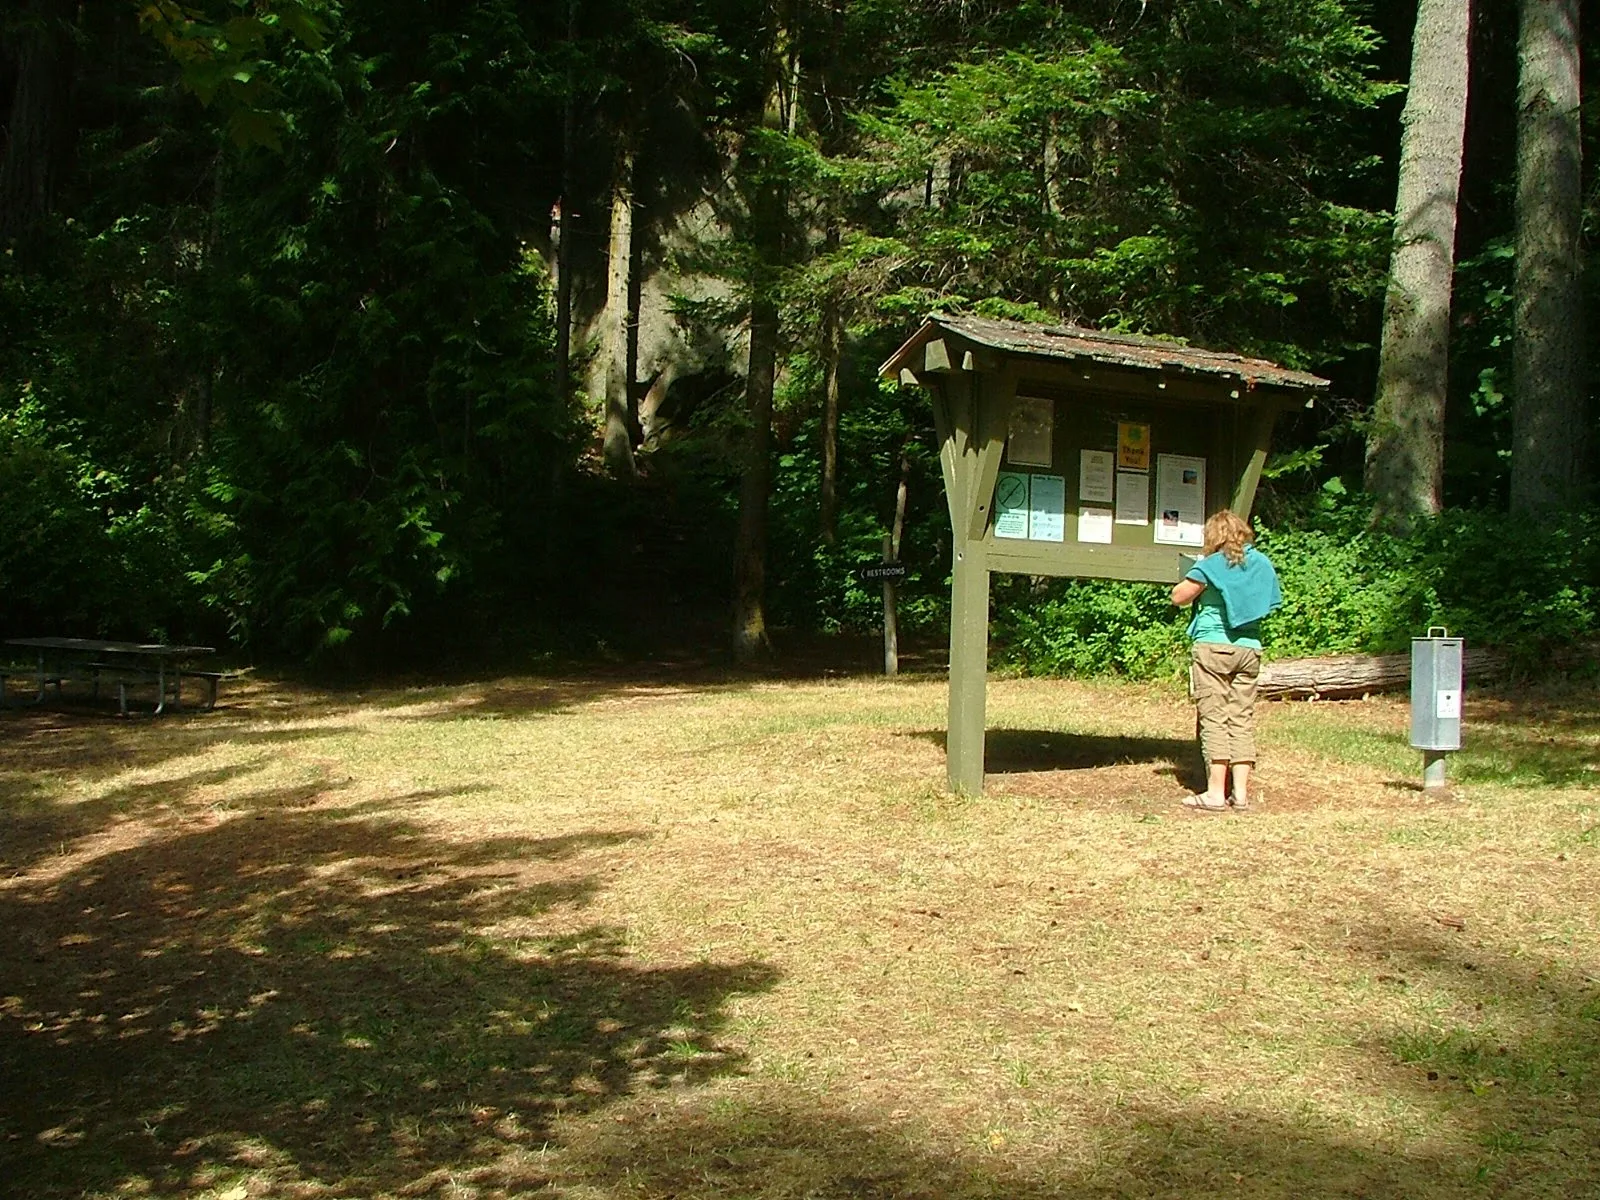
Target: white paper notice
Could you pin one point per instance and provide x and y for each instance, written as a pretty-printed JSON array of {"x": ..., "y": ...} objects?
[
  {"x": 1180, "y": 500},
  {"x": 1096, "y": 475},
  {"x": 1448, "y": 705},
  {"x": 1011, "y": 505},
  {"x": 1095, "y": 525},
  {"x": 1133, "y": 497},
  {"x": 1047, "y": 509}
]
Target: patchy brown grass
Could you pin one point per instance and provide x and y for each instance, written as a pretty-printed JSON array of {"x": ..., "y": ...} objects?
[{"x": 667, "y": 936}]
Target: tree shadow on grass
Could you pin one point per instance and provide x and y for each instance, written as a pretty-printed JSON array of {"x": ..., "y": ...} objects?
[
  {"x": 1529, "y": 755},
  {"x": 330, "y": 999},
  {"x": 41, "y": 820},
  {"x": 1515, "y": 755},
  {"x": 1516, "y": 1081},
  {"x": 55, "y": 760},
  {"x": 778, "y": 1147},
  {"x": 1025, "y": 751},
  {"x": 1513, "y": 1049},
  {"x": 1572, "y": 706},
  {"x": 91, "y": 745}
]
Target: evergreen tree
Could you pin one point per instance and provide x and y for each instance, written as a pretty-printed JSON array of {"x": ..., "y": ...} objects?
[
  {"x": 1548, "y": 377},
  {"x": 767, "y": 199},
  {"x": 1405, "y": 446}
]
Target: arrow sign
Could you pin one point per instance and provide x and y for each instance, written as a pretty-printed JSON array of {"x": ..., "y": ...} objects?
[{"x": 880, "y": 572}]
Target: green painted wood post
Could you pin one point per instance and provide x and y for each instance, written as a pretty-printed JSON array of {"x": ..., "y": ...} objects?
[
  {"x": 992, "y": 400},
  {"x": 969, "y": 668},
  {"x": 1254, "y": 447}
]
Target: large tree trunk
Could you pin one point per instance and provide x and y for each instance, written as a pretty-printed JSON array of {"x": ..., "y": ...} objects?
[
  {"x": 832, "y": 356},
  {"x": 1547, "y": 355},
  {"x": 565, "y": 243},
  {"x": 36, "y": 136},
  {"x": 833, "y": 314},
  {"x": 750, "y": 638},
  {"x": 1405, "y": 449},
  {"x": 614, "y": 343},
  {"x": 636, "y": 265}
]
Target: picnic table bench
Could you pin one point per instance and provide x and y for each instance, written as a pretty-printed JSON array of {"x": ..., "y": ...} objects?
[{"x": 126, "y": 664}]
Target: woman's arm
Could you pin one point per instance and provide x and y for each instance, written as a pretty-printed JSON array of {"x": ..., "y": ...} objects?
[{"x": 1187, "y": 592}]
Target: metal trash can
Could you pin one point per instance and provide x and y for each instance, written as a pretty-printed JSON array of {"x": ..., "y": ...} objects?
[{"x": 1437, "y": 667}]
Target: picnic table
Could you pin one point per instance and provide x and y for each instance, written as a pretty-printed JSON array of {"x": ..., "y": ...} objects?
[{"x": 122, "y": 662}]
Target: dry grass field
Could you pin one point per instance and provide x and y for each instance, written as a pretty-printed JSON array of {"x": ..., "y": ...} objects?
[{"x": 665, "y": 937}]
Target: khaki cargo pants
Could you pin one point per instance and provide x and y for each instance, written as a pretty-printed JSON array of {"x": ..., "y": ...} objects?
[{"x": 1222, "y": 680}]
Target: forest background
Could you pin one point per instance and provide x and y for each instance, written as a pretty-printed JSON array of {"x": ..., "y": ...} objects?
[{"x": 397, "y": 332}]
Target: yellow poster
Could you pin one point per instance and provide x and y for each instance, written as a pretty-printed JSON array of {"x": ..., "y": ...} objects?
[{"x": 1133, "y": 446}]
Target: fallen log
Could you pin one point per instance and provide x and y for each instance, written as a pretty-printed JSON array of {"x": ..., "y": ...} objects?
[
  {"x": 1337, "y": 677},
  {"x": 1347, "y": 676}
]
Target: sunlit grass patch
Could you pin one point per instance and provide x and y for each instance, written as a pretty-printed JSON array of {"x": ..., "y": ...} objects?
[{"x": 617, "y": 940}]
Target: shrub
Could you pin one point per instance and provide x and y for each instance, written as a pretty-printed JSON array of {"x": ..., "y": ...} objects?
[
  {"x": 1087, "y": 627},
  {"x": 1347, "y": 589}
]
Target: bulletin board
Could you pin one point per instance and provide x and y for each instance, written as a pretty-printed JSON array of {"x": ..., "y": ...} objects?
[{"x": 1093, "y": 486}]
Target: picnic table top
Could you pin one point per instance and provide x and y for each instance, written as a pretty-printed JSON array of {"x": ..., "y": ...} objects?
[{"x": 94, "y": 646}]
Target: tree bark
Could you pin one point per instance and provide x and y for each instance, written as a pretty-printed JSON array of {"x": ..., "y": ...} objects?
[
  {"x": 833, "y": 312},
  {"x": 1347, "y": 676},
  {"x": 751, "y": 640},
  {"x": 832, "y": 353},
  {"x": 1547, "y": 355},
  {"x": 36, "y": 139},
  {"x": 635, "y": 309},
  {"x": 1405, "y": 448},
  {"x": 564, "y": 243},
  {"x": 618, "y": 447}
]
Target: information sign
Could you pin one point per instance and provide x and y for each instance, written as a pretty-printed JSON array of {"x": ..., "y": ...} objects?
[
  {"x": 1095, "y": 525},
  {"x": 1180, "y": 500},
  {"x": 1047, "y": 509},
  {"x": 1011, "y": 505},
  {"x": 1133, "y": 497},
  {"x": 1096, "y": 476},
  {"x": 1133, "y": 446},
  {"x": 880, "y": 572}
]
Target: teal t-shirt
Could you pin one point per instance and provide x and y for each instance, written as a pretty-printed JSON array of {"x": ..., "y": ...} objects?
[{"x": 1207, "y": 624}]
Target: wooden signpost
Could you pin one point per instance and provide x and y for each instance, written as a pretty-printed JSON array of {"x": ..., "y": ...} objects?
[{"x": 1069, "y": 452}]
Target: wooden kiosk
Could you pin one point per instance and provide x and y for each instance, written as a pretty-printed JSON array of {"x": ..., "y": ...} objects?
[{"x": 1071, "y": 452}]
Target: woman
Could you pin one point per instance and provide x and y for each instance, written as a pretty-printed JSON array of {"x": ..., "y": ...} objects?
[{"x": 1232, "y": 587}]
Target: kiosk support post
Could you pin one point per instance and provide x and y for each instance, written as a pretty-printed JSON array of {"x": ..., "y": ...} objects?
[
  {"x": 969, "y": 668},
  {"x": 1257, "y": 447}
]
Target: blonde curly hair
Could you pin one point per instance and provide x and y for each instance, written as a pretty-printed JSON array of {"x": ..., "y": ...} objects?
[{"x": 1228, "y": 532}]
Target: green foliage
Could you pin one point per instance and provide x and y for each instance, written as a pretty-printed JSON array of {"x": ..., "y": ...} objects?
[
  {"x": 1347, "y": 589},
  {"x": 389, "y": 417},
  {"x": 1086, "y": 627},
  {"x": 1479, "y": 419},
  {"x": 815, "y": 583},
  {"x": 223, "y": 49},
  {"x": 76, "y": 549},
  {"x": 320, "y": 406},
  {"x": 1168, "y": 176},
  {"x": 279, "y": 368}
]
